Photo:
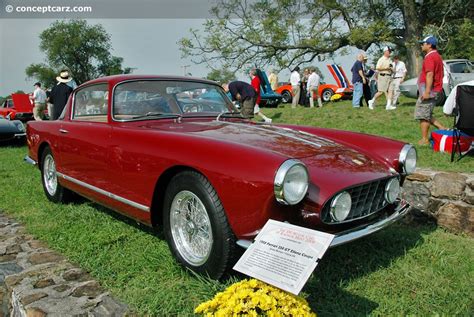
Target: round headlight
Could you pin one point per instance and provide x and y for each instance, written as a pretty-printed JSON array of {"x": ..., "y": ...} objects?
[
  {"x": 407, "y": 158},
  {"x": 291, "y": 182},
  {"x": 341, "y": 206},
  {"x": 392, "y": 190}
]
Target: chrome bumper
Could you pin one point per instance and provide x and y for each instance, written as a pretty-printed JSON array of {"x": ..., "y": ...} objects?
[
  {"x": 29, "y": 160},
  {"x": 359, "y": 232}
]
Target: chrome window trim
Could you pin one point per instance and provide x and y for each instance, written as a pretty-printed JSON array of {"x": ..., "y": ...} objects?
[
  {"x": 73, "y": 101},
  {"x": 280, "y": 178},
  {"x": 403, "y": 156},
  {"x": 105, "y": 193}
]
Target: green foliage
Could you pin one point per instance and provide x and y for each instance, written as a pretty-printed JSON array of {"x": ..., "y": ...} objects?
[
  {"x": 221, "y": 75},
  {"x": 42, "y": 73},
  {"x": 287, "y": 33},
  {"x": 82, "y": 48},
  {"x": 461, "y": 45}
]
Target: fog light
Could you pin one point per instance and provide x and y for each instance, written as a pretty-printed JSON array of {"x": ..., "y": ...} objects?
[
  {"x": 392, "y": 190},
  {"x": 341, "y": 206}
]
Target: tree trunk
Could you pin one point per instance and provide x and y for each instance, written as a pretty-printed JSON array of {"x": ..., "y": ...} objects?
[{"x": 413, "y": 32}]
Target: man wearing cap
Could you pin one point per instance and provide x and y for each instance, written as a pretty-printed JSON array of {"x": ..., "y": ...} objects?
[
  {"x": 358, "y": 80},
  {"x": 430, "y": 86},
  {"x": 384, "y": 69},
  {"x": 60, "y": 94},
  {"x": 39, "y": 99}
]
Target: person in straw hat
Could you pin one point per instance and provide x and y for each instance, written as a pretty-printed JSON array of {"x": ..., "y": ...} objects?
[{"x": 60, "y": 94}]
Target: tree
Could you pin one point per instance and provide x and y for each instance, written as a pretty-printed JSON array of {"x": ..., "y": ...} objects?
[
  {"x": 42, "y": 73},
  {"x": 292, "y": 32},
  {"x": 83, "y": 49},
  {"x": 221, "y": 75}
]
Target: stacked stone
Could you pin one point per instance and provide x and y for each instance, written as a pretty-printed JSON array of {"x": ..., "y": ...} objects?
[
  {"x": 35, "y": 281},
  {"x": 447, "y": 198}
]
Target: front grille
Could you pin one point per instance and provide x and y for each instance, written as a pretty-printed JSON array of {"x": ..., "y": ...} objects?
[{"x": 366, "y": 200}]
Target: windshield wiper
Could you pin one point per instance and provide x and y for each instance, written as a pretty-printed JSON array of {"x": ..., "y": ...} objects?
[
  {"x": 229, "y": 114},
  {"x": 157, "y": 114}
]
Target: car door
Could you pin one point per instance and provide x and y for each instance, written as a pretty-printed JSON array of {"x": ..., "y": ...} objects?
[{"x": 84, "y": 138}]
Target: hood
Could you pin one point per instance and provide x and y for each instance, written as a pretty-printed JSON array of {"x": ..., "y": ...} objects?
[
  {"x": 22, "y": 103},
  {"x": 289, "y": 143}
]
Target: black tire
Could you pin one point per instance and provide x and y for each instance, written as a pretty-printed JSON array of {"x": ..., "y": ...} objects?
[
  {"x": 327, "y": 94},
  {"x": 49, "y": 178},
  {"x": 286, "y": 96},
  {"x": 188, "y": 189}
]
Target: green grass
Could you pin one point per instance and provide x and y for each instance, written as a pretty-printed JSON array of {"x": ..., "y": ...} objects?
[
  {"x": 419, "y": 270},
  {"x": 397, "y": 124}
]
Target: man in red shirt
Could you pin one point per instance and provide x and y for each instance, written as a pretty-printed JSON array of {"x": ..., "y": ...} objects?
[
  {"x": 430, "y": 88},
  {"x": 256, "y": 85}
]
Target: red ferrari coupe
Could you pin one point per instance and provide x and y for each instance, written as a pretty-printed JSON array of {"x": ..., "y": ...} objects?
[{"x": 152, "y": 148}]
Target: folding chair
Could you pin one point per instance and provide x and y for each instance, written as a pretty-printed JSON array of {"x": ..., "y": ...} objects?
[{"x": 463, "y": 119}]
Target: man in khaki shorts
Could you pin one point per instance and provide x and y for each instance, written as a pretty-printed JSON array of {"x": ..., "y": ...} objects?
[
  {"x": 384, "y": 68},
  {"x": 39, "y": 98}
]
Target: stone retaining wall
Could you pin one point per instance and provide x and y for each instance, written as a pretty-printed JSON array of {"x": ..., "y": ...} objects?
[
  {"x": 36, "y": 282},
  {"x": 447, "y": 198}
]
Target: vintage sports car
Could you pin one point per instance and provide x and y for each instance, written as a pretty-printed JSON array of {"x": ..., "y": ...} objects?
[
  {"x": 11, "y": 130},
  {"x": 326, "y": 91},
  {"x": 19, "y": 107},
  {"x": 151, "y": 148}
]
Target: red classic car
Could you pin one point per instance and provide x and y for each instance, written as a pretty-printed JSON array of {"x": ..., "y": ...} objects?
[
  {"x": 19, "y": 107},
  {"x": 326, "y": 91},
  {"x": 151, "y": 148}
]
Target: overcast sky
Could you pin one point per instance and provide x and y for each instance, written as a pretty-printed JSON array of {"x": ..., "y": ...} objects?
[{"x": 148, "y": 45}]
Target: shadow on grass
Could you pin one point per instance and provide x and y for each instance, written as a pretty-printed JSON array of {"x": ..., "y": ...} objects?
[{"x": 351, "y": 261}]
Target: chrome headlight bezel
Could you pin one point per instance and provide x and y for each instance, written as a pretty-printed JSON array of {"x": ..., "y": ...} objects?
[
  {"x": 281, "y": 182},
  {"x": 407, "y": 159},
  {"x": 392, "y": 190},
  {"x": 341, "y": 200}
]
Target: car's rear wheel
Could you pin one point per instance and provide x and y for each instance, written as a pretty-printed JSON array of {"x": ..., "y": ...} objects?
[
  {"x": 196, "y": 226},
  {"x": 327, "y": 94},
  {"x": 286, "y": 96},
  {"x": 52, "y": 188}
]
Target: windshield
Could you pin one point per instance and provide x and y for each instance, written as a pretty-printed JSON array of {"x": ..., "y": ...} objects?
[{"x": 138, "y": 99}]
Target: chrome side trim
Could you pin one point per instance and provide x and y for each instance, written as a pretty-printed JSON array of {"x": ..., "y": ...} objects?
[
  {"x": 105, "y": 193},
  {"x": 359, "y": 232},
  {"x": 277, "y": 132},
  {"x": 29, "y": 160}
]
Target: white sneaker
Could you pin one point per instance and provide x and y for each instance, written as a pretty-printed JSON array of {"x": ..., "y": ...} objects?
[
  {"x": 371, "y": 104},
  {"x": 268, "y": 120},
  {"x": 390, "y": 108}
]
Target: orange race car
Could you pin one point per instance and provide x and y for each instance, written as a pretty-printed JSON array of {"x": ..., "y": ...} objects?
[{"x": 326, "y": 91}]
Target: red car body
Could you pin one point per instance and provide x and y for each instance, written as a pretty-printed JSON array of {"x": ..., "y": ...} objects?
[
  {"x": 129, "y": 165},
  {"x": 19, "y": 107}
]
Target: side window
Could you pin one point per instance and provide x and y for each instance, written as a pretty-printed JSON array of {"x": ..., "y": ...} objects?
[{"x": 91, "y": 104}]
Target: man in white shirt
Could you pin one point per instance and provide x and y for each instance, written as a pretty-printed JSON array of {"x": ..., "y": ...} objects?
[
  {"x": 295, "y": 80},
  {"x": 399, "y": 73},
  {"x": 312, "y": 87},
  {"x": 39, "y": 98},
  {"x": 450, "y": 102},
  {"x": 384, "y": 77}
]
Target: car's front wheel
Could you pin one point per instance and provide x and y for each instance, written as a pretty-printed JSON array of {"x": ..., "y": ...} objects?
[
  {"x": 196, "y": 226},
  {"x": 286, "y": 96},
  {"x": 53, "y": 190},
  {"x": 327, "y": 94}
]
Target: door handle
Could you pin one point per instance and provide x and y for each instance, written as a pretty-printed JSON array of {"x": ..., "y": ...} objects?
[{"x": 63, "y": 131}]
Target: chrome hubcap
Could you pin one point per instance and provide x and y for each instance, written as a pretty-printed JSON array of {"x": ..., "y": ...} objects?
[
  {"x": 191, "y": 228},
  {"x": 49, "y": 175}
]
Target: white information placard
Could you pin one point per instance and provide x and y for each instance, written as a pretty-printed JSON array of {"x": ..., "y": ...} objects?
[{"x": 284, "y": 255}]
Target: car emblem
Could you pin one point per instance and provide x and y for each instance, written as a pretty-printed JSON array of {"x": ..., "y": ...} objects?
[{"x": 357, "y": 162}]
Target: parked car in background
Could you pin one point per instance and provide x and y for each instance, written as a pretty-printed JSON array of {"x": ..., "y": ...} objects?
[
  {"x": 326, "y": 91},
  {"x": 11, "y": 130},
  {"x": 456, "y": 71},
  {"x": 19, "y": 107},
  {"x": 269, "y": 98},
  {"x": 159, "y": 153}
]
